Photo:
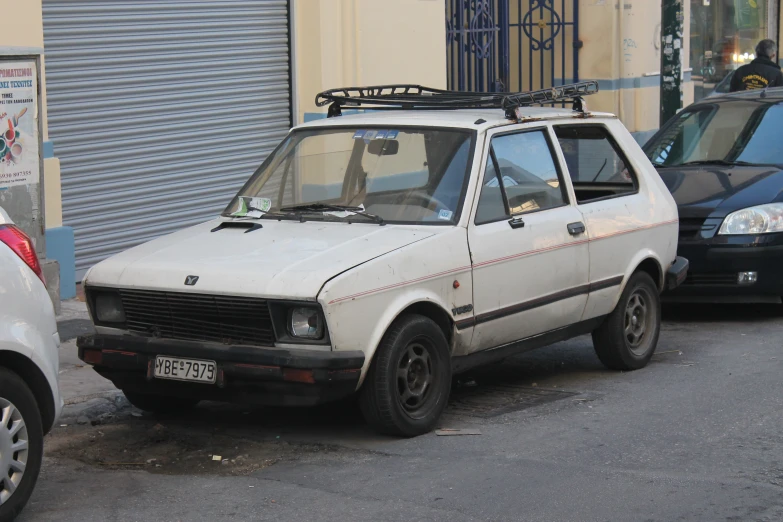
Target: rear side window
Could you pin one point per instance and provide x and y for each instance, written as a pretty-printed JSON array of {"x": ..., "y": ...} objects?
[
  {"x": 520, "y": 176},
  {"x": 597, "y": 168}
]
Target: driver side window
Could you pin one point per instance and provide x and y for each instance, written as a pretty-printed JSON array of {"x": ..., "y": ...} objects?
[{"x": 521, "y": 176}]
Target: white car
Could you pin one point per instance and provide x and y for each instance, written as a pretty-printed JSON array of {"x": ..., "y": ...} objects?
[
  {"x": 384, "y": 252},
  {"x": 29, "y": 395}
]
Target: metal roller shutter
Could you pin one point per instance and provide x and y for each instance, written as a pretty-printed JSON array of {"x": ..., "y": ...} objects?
[{"x": 160, "y": 110}]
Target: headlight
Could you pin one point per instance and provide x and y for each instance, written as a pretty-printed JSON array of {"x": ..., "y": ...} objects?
[
  {"x": 305, "y": 323},
  {"x": 108, "y": 308},
  {"x": 754, "y": 220}
]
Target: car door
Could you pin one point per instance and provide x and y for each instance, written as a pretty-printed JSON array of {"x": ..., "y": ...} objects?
[
  {"x": 528, "y": 247},
  {"x": 619, "y": 212}
]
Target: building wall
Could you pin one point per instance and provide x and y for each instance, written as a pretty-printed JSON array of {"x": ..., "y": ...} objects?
[
  {"x": 26, "y": 31},
  {"x": 339, "y": 43},
  {"x": 621, "y": 49}
]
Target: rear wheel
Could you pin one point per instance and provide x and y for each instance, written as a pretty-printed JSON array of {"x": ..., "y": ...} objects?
[
  {"x": 21, "y": 444},
  {"x": 408, "y": 384},
  {"x": 628, "y": 337},
  {"x": 160, "y": 403}
]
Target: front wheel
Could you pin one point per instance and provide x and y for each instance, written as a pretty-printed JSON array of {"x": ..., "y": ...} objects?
[
  {"x": 21, "y": 444},
  {"x": 159, "y": 403},
  {"x": 408, "y": 384},
  {"x": 627, "y": 338}
]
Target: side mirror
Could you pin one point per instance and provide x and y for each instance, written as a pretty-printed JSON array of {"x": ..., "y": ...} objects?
[{"x": 383, "y": 147}]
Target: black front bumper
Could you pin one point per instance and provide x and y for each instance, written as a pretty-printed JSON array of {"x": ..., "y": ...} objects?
[
  {"x": 245, "y": 374},
  {"x": 716, "y": 262}
]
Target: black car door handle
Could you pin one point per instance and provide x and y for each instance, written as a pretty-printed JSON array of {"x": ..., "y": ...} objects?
[
  {"x": 516, "y": 222},
  {"x": 576, "y": 228}
]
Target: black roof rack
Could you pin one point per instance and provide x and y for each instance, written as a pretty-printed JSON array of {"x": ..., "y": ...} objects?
[{"x": 417, "y": 97}]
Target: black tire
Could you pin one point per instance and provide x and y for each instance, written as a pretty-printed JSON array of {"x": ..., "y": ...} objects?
[
  {"x": 160, "y": 403},
  {"x": 14, "y": 391},
  {"x": 628, "y": 337},
  {"x": 408, "y": 384}
]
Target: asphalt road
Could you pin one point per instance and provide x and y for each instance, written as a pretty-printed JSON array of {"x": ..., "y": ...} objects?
[{"x": 697, "y": 435}]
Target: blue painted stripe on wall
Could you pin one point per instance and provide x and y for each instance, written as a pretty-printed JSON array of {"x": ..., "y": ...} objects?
[{"x": 48, "y": 149}]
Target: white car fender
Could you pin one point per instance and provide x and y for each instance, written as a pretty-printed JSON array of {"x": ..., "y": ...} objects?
[
  {"x": 639, "y": 258},
  {"x": 394, "y": 309},
  {"x": 362, "y": 303}
]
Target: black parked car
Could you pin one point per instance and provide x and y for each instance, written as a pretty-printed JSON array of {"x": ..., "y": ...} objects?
[{"x": 722, "y": 159}]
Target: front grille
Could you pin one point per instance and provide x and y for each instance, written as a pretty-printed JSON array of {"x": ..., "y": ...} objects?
[
  {"x": 198, "y": 317},
  {"x": 717, "y": 279},
  {"x": 690, "y": 227}
]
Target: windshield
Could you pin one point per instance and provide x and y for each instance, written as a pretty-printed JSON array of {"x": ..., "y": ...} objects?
[
  {"x": 731, "y": 132},
  {"x": 398, "y": 174}
]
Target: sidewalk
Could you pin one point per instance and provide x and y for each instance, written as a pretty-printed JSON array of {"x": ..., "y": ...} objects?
[{"x": 88, "y": 396}]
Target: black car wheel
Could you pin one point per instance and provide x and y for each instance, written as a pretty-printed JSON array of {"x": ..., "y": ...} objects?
[
  {"x": 627, "y": 338},
  {"x": 21, "y": 444},
  {"x": 408, "y": 384}
]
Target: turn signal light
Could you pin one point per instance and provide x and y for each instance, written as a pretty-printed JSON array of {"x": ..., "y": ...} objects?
[
  {"x": 22, "y": 246},
  {"x": 294, "y": 375},
  {"x": 93, "y": 356}
]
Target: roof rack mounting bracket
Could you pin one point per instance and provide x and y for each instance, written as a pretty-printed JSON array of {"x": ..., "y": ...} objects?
[
  {"x": 334, "y": 110},
  {"x": 580, "y": 105}
]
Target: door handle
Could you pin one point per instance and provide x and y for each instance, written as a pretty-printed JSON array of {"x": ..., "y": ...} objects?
[
  {"x": 576, "y": 228},
  {"x": 516, "y": 222}
]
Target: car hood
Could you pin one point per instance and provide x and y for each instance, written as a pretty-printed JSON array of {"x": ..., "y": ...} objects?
[
  {"x": 710, "y": 191},
  {"x": 284, "y": 259}
]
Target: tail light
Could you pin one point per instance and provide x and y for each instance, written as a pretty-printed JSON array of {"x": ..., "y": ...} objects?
[{"x": 18, "y": 241}]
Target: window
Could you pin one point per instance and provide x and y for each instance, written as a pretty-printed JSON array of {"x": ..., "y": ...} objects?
[
  {"x": 595, "y": 164},
  {"x": 520, "y": 176},
  {"x": 404, "y": 175},
  {"x": 723, "y": 37},
  {"x": 745, "y": 131}
]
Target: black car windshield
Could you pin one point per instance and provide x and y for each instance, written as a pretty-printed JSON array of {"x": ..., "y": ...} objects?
[
  {"x": 398, "y": 174},
  {"x": 727, "y": 132}
]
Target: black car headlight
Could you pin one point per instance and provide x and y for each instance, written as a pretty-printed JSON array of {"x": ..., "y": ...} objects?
[
  {"x": 305, "y": 323},
  {"x": 107, "y": 307}
]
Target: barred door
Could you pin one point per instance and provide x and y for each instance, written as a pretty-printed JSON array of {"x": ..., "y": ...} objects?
[{"x": 511, "y": 45}]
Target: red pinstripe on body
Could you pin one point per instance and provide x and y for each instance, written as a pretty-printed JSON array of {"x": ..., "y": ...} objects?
[{"x": 500, "y": 260}]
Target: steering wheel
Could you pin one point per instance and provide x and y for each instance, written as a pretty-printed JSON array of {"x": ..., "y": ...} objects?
[{"x": 426, "y": 199}]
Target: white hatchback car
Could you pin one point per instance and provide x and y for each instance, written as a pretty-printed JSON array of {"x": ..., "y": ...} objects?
[
  {"x": 29, "y": 361},
  {"x": 384, "y": 252}
]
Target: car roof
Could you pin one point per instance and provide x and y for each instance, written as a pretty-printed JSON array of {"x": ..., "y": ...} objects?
[
  {"x": 772, "y": 95},
  {"x": 460, "y": 118}
]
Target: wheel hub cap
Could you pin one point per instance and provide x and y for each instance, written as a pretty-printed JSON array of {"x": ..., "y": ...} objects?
[
  {"x": 414, "y": 376},
  {"x": 636, "y": 319},
  {"x": 13, "y": 449}
]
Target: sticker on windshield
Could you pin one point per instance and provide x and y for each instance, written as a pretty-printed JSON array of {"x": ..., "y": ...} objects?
[
  {"x": 381, "y": 135},
  {"x": 369, "y": 135},
  {"x": 392, "y": 134},
  {"x": 358, "y": 134},
  {"x": 252, "y": 207},
  {"x": 445, "y": 214}
]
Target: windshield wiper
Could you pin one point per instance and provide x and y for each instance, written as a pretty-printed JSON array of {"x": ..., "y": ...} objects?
[
  {"x": 325, "y": 207},
  {"x": 320, "y": 207},
  {"x": 722, "y": 163}
]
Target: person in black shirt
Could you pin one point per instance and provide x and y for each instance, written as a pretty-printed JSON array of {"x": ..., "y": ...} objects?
[{"x": 762, "y": 72}]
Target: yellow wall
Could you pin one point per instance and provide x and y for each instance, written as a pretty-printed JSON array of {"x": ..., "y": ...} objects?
[
  {"x": 621, "y": 45},
  {"x": 341, "y": 43},
  {"x": 23, "y": 25}
]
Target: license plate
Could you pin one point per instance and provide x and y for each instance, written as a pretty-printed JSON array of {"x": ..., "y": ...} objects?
[{"x": 180, "y": 369}]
